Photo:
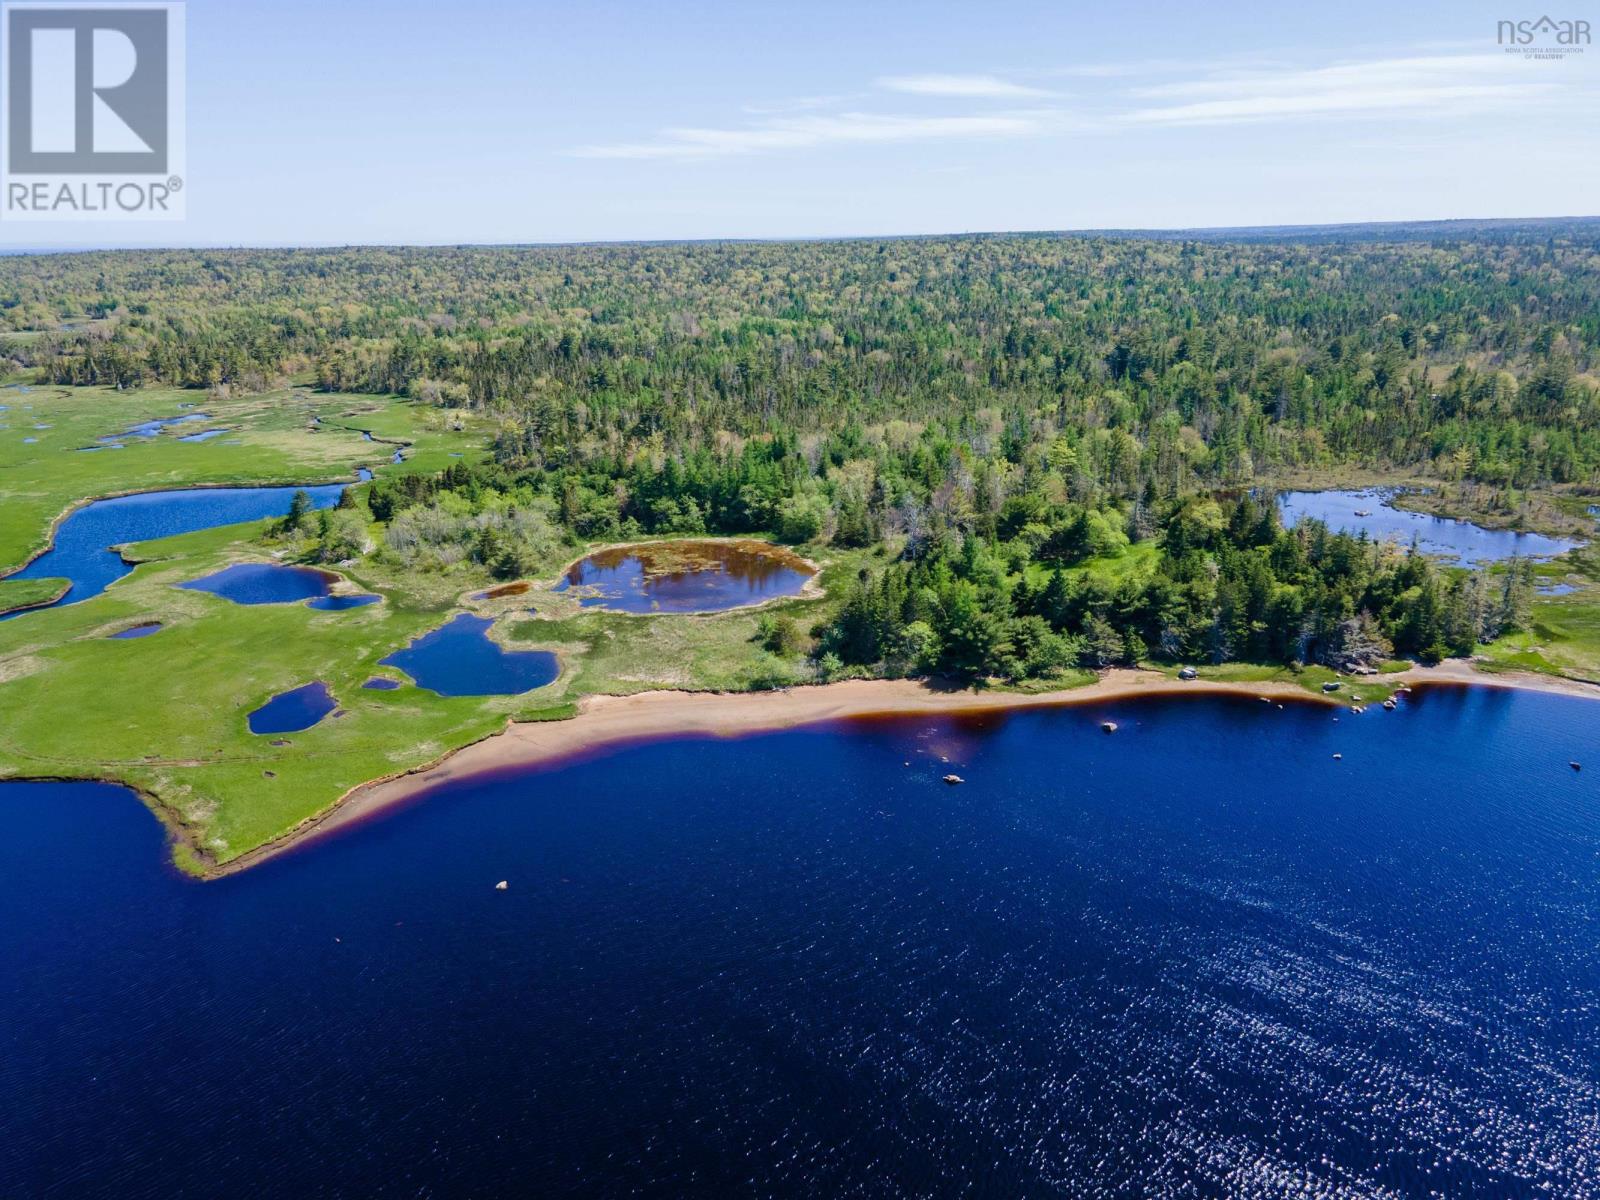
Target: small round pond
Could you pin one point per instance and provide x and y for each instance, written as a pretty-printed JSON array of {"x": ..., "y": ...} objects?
[
  {"x": 292, "y": 711},
  {"x": 683, "y": 577},
  {"x": 262, "y": 583},
  {"x": 460, "y": 659},
  {"x": 136, "y": 631}
]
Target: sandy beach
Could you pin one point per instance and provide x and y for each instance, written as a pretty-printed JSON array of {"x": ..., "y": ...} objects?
[{"x": 604, "y": 721}]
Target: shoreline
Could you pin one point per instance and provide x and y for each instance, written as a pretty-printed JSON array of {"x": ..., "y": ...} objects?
[
  {"x": 78, "y": 506},
  {"x": 603, "y": 722}
]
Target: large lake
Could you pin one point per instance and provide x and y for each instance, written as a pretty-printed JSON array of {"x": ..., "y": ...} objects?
[
  {"x": 1373, "y": 512},
  {"x": 1198, "y": 958}
]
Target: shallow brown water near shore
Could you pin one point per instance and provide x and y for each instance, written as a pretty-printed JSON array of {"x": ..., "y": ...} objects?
[{"x": 687, "y": 576}]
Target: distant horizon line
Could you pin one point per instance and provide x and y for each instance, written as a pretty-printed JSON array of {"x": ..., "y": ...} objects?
[{"x": 1155, "y": 232}]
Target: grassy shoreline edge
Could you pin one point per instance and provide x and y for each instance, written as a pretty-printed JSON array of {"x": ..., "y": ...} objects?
[{"x": 600, "y": 722}]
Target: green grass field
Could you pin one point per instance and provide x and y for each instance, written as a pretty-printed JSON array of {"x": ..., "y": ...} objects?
[
  {"x": 1565, "y": 635},
  {"x": 271, "y": 438},
  {"x": 29, "y": 593},
  {"x": 167, "y": 713}
]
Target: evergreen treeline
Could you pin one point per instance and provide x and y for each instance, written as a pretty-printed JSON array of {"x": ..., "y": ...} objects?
[
  {"x": 1227, "y": 583},
  {"x": 1027, "y": 589}
]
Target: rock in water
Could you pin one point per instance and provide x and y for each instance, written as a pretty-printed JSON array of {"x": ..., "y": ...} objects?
[
  {"x": 501, "y": 886},
  {"x": 952, "y": 780},
  {"x": 1108, "y": 726}
]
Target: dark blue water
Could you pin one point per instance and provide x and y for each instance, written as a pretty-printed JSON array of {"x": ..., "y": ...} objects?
[
  {"x": 134, "y": 632},
  {"x": 342, "y": 603},
  {"x": 1198, "y": 958},
  {"x": 461, "y": 659},
  {"x": 261, "y": 583},
  {"x": 290, "y": 712},
  {"x": 381, "y": 685},
  {"x": 81, "y": 550},
  {"x": 1471, "y": 545},
  {"x": 687, "y": 576}
]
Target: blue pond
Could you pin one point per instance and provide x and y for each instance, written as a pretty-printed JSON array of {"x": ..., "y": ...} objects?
[
  {"x": 460, "y": 659},
  {"x": 261, "y": 583},
  {"x": 203, "y": 436},
  {"x": 149, "y": 429},
  {"x": 378, "y": 684},
  {"x": 1371, "y": 512},
  {"x": 1196, "y": 959},
  {"x": 290, "y": 712},
  {"x": 81, "y": 550},
  {"x": 134, "y": 632},
  {"x": 341, "y": 603}
]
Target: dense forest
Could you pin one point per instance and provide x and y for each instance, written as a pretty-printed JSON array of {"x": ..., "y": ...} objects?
[
  {"x": 1029, "y": 591},
  {"x": 996, "y": 413},
  {"x": 1465, "y": 357}
]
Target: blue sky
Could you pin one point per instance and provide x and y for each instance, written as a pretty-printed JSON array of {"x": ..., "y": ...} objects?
[{"x": 475, "y": 121}]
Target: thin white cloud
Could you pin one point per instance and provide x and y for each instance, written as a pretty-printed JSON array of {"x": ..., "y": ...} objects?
[
  {"x": 1393, "y": 87},
  {"x": 1417, "y": 87},
  {"x": 796, "y": 105},
  {"x": 794, "y": 133},
  {"x": 966, "y": 87}
]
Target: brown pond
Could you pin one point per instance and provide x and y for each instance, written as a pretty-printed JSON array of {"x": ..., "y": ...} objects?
[
  {"x": 503, "y": 590},
  {"x": 683, "y": 577}
]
